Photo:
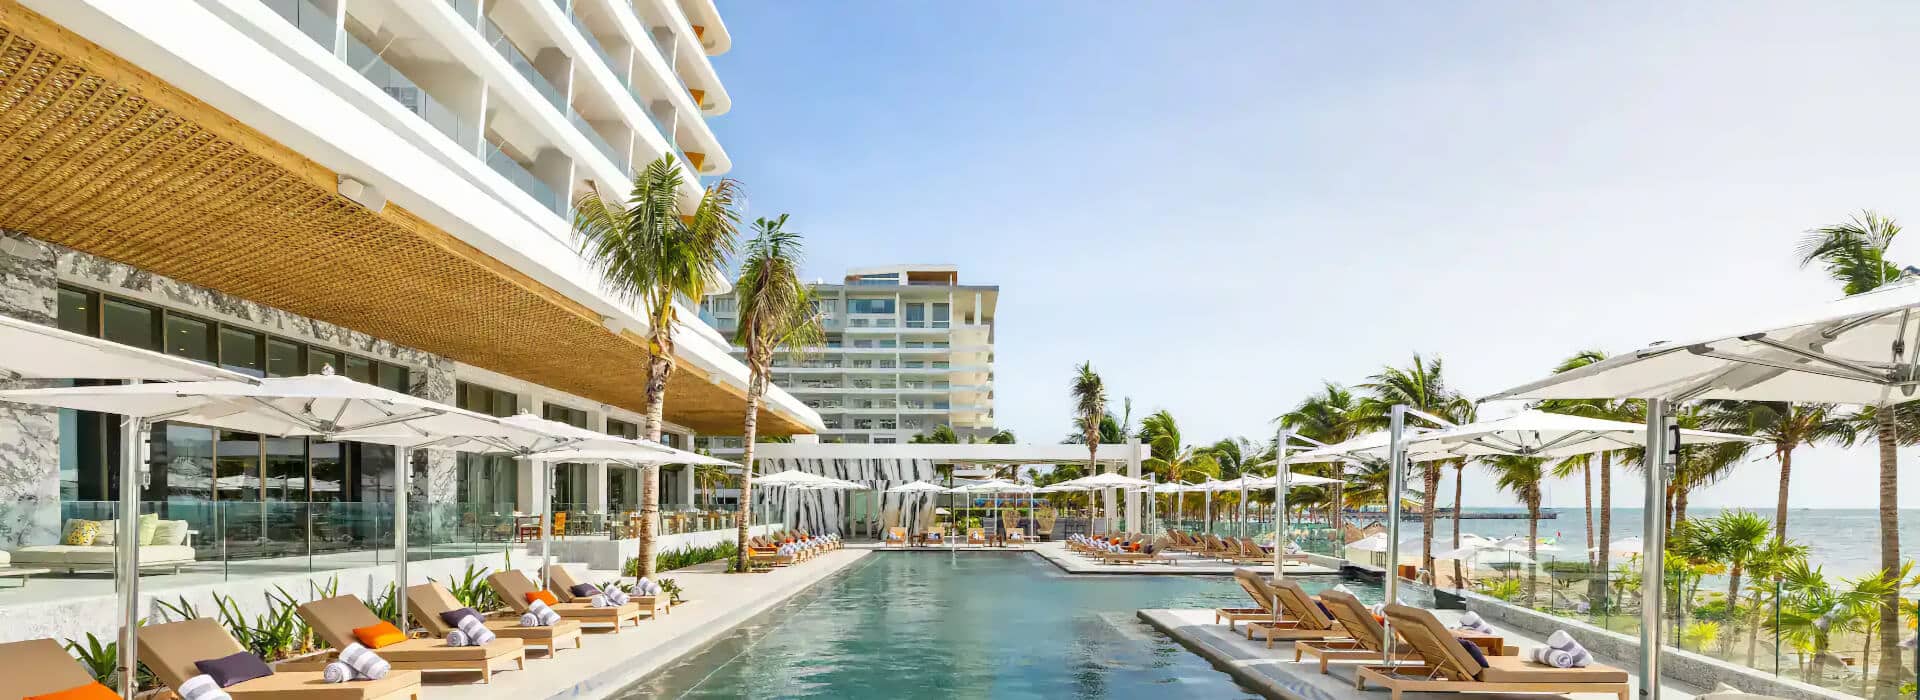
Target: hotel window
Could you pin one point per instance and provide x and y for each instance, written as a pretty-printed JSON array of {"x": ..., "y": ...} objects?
[
  {"x": 941, "y": 313},
  {"x": 916, "y": 315},
  {"x": 569, "y": 478},
  {"x": 630, "y": 431},
  {"x": 190, "y": 338},
  {"x": 487, "y": 484},
  {"x": 283, "y": 358},
  {"x": 869, "y": 306},
  {"x": 243, "y": 351}
]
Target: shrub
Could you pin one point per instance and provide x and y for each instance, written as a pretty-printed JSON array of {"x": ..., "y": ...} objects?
[{"x": 684, "y": 557}]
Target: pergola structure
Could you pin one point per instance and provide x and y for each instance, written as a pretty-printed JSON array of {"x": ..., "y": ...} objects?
[{"x": 886, "y": 465}]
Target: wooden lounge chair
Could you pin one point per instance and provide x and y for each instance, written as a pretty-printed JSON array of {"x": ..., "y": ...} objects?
[
  {"x": 512, "y": 586},
  {"x": 170, "y": 651},
  {"x": 895, "y": 536},
  {"x": 334, "y": 619},
  {"x": 1366, "y": 639},
  {"x": 1251, "y": 582},
  {"x": 426, "y": 601},
  {"x": 561, "y": 581},
  {"x": 1303, "y": 618},
  {"x": 933, "y": 538},
  {"x": 38, "y": 667},
  {"x": 976, "y": 537},
  {"x": 1147, "y": 554},
  {"x": 1446, "y": 666}
]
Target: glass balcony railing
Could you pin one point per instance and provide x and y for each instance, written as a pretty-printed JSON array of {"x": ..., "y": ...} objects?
[
  {"x": 525, "y": 180},
  {"x": 598, "y": 141},
  {"x": 311, "y": 20},
  {"x": 619, "y": 71},
  {"x": 467, "y": 9},
  {"x": 498, "y": 40}
]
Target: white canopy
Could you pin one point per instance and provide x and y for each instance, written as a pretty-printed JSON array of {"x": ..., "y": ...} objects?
[
  {"x": 1625, "y": 545},
  {"x": 647, "y": 452},
  {"x": 991, "y": 486},
  {"x": 31, "y": 350},
  {"x": 790, "y": 477},
  {"x": 1371, "y": 446},
  {"x": 1844, "y": 352},
  {"x": 1533, "y": 433},
  {"x": 1377, "y": 542},
  {"x": 1107, "y": 480},
  {"x": 918, "y": 487},
  {"x": 552, "y": 441}
]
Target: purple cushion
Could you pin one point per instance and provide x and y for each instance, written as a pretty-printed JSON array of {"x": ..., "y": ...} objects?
[
  {"x": 1474, "y": 650},
  {"x": 584, "y": 590},
  {"x": 453, "y": 617},
  {"x": 238, "y": 668}
]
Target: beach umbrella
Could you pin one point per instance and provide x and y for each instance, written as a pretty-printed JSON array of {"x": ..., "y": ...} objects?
[
  {"x": 1856, "y": 350},
  {"x": 1377, "y": 542},
  {"x": 325, "y": 405},
  {"x": 1625, "y": 545},
  {"x": 1542, "y": 434},
  {"x": 918, "y": 487},
  {"x": 1103, "y": 481},
  {"x": 1370, "y": 447}
]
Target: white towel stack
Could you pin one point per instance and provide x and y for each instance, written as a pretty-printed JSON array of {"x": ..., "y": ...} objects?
[
  {"x": 366, "y": 665},
  {"x": 544, "y": 614},
  {"x": 201, "y": 687},
  {"x": 473, "y": 631},
  {"x": 1561, "y": 651},
  {"x": 1471, "y": 621}
]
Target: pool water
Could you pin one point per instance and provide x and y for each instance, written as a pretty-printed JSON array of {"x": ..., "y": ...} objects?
[{"x": 977, "y": 625}]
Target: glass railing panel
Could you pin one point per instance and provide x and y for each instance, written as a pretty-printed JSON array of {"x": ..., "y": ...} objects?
[
  {"x": 521, "y": 64},
  {"x": 368, "y": 63},
  {"x": 525, "y": 180},
  {"x": 311, "y": 20},
  {"x": 467, "y": 9},
  {"x": 598, "y": 141},
  {"x": 619, "y": 71}
]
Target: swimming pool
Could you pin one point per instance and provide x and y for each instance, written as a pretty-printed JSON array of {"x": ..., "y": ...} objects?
[{"x": 977, "y": 625}]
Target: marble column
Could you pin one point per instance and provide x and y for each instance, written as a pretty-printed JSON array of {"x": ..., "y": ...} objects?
[
  {"x": 436, "y": 486},
  {"x": 29, "y": 437}
]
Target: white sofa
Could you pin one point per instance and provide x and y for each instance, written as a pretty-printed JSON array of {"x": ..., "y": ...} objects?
[{"x": 74, "y": 558}]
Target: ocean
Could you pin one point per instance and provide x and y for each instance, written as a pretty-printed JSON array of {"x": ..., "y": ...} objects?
[{"x": 1845, "y": 542}]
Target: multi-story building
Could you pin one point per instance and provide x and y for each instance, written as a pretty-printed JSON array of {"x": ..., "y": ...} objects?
[
  {"x": 380, "y": 187},
  {"x": 909, "y": 349}
]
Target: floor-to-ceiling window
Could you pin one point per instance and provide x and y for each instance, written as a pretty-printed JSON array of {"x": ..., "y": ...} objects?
[
  {"x": 244, "y": 495},
  {"x": 489, "y": 485},
  {"x": 623, "y": 483},
  {"x": 570, "y": 479}
]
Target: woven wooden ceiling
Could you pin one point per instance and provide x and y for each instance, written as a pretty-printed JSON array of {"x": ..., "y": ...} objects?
[{"x": 101, "y": 156}]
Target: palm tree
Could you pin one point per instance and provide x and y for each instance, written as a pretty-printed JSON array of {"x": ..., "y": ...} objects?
[
  {"x": 1521, "y": 476},
  {"x": 1735, "y": 538},
  {"x": 940, "y": 435},
  {"x": 1784, "y": 426},
  {"x": 1169, "y": 457},
  {"x": 1089, "y": 410},
  {"x": 1462, "y": 411},
  {"x": 776, "y": 311},
  {"x": 1764, "y": 568},
  {"x": 1626, "y": 411},
  {"x": 1854, "y": 253},
  {"x": 1420, "y": 386},
  {"x": 1329, "y": 417},
  {"x": 650, "y": 251}
]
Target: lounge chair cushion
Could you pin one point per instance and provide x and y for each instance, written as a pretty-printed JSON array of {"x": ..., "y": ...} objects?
[
  {"x": 234, "y": 669},
  {"x": 584, "y": 590},
  {"x": 543, "y": 596},
  {"x": 380, "y": 635},
  {"x": 452, "y": 617},
  {"x": 1514, "y": 669},
  {"x": 91, "y": 691}
]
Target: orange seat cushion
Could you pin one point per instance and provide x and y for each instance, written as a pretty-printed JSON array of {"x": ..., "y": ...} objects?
[
  {"x": 90, "y": 691},
  {"x": 380, "y": 635},
  {"x": 544, "y": 597}
]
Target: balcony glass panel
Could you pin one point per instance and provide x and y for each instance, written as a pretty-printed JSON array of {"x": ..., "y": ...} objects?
[
  {"x": 619, "y": 71},
  {"x": 498, "y": 40},
  {"x": 311, "y": 20},
  {"x": 598, "y": 141},
  {"x": 524, "y": 179},
  {"x": 403, "y": 90}
]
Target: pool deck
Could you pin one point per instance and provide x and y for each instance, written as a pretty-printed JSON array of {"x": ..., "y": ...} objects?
[
  {"x": 607, "y": 662},
  {"x": 1275, "y": 674},
  {"x": 1182, "y": 565}
]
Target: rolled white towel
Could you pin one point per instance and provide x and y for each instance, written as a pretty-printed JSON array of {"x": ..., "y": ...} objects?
[
  {"x": 335, "y": 672},
  {"x": 646, "y": 587},
  {"x": 1472, "y": 621},
  {"x": 599, "y": 601},
  {"x": 617, "y": 597},
  {"x": 201, "y": 687},
  {"x": 364, "y": 662},
  {"x": 544, "y": 614},
  {"x": 1561, "y": 651},
  {"x": 530, "y": 620},
  {"x": 475, "y": 631},
  {"x": 458, "y": 638}
]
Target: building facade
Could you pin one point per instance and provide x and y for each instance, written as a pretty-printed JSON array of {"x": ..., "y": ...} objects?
[
  {"x": 909, "y": 349},
  {"x": 376, "y": 187}
]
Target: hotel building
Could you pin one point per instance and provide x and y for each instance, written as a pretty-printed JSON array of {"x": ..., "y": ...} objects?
[
  {"x": 381, "y": 187},
  {"x": 909, "y": 349}
]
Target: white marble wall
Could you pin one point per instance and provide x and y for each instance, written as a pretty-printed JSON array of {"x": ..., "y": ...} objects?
[{"x": 29, "y": 437}]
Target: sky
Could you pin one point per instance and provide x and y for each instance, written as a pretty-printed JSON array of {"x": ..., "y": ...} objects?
[{"x": 1222, "y": 205}]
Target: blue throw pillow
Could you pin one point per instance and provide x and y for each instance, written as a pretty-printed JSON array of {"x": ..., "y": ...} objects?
[
  {"x": 1474, "y": 649},
  {"x": 1324, "y": 610},
  {"x": 231, "y": 670},
  {"x": 453, "y": 617}
]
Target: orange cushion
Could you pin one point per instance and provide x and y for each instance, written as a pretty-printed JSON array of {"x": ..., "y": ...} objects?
[
  {"x": 90, "y": 691},
  {"x": 380, "y": 635},
  {"x": 544, "y": 597}
]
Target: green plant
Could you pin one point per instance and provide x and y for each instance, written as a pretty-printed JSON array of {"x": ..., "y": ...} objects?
[
  {"x": 387, "y": 606},
  {"x": 685, "y": 557},
  {"x": 102, "y": 661},
  {"x": 1700, "y": 634},
  {"x": 275, "y": 634},
  {"x": 673, "y": 590},
  {"x": 1505, "y": 589},
  {"x": 472, "y": 591},
  {"x": 178, "y": 611}
]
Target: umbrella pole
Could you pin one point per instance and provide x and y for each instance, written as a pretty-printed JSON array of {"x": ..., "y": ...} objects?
[
  {"x": 133, "y": 438},
  {"x": 1397, "y": 425},
  {"x": 1280, "y": 479},
  {"x": 1654, "y": 542},
  {"x": 546, "y": 519},
  {"x": 402, "y": 476}
]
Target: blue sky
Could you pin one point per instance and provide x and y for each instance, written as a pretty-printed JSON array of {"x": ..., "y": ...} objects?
[{"x": 1222, "y": 204}]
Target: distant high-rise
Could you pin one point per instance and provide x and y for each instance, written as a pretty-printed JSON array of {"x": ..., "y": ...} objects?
[{"x": 909, "y": 349}]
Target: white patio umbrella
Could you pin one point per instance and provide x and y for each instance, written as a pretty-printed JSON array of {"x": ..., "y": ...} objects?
[
  {"x": 1101, "y": 482},
  {"x": 918, "y": 487},
  {"x": 30, "y": 350},
  {"x": 322, "y": 405},
  {"x": 1542, "y": 434},
  {"x": 1858, "y": 350}
]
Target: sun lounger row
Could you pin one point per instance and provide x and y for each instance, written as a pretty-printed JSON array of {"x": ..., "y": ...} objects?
[
  {"x": 975, "y": 537},
  {"x": 1428, "y": 657},
  {"x": 765, "y": 553},
  {"x": 1231, "y": 549},
  {"x": 179, "y": 652}
]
